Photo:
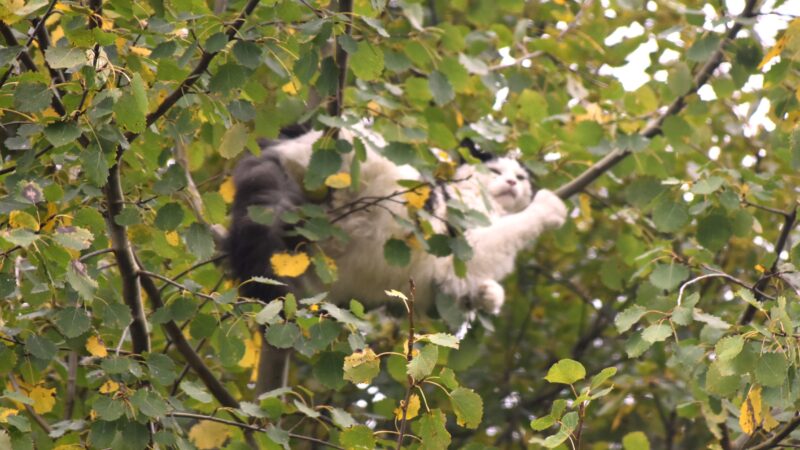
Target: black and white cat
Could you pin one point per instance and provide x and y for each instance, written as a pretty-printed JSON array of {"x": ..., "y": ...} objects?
[{"x": 500, "y": 189}]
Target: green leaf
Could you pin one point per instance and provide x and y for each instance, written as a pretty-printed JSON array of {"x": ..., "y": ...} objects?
[
  {"x": 635, "y": 441},
  {"x": 362, "y": 366},
  {"x": 603, "y": 376},
  {"x": 703, "y": 48},
  {"x": 283, "y": 335},
  {"x": 342, "y": 418},
  {"x": 108, "y": 409},
  {"x": 656, "y": 332},
  {"x": 367, "y": 62},
  {"x": 358, "y": 437},
  {"x": 441, "y": 339},
  {"x": 543, "y": 423},
  {"x": 196, "y": 391},
  {"x": 200, "y": 241},
  {"x": 169, "y": 216},
  {"x": 628, "y": 318},
  {"x": 714, "y": 231},
  {"x": 329, "y": 370},
  {"x": 149, "y": 403},
  {"x": 228, "y": 76},
  {"x": 65, "y": 57},
  {"x": 670, "y": 216},
  {"x": 432, "y": 431},
  {"x": 233, "y": 141},
  {"x": 468, "y": 407},
  {"x": 566, "y": 371},
  {"x": 40, "y": 347},
  {"x": 771, "y": 369},
  {"x": 76, "y": 238},
  {"x": 668, "y": 276},
  {"x": 95, "y": 165},
  {"x": 162, "y": 369},
  {"x": 270, "y": 312},
  {"x": 440, "y": 88},
  {"x": 131, "y": 108},
  {"x": 423, "y": 363},
  {"x": 397, "y": 253},
  {"x": 324, "y": 162},
  {"x": 248, "y": 53},
  {"x": 62, "y": 133},
  {"x": 80, "y": 280},
  {"x": 32, "y": 97},
  {"x": 73, "y": 322},
  {"x": 707, "y": 186},
  {"x": 729, "y": 347}
]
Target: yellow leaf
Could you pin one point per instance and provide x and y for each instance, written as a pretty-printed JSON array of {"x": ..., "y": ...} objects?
[
  {"x": 257, "y": 345},
  {"x": 68, "y": 447},
  {"x": 21, "y": 219},
  {"x": 417, "y": 198},
  {"x": 96, "y": 346},
  {"x": 227, "y": 190},
  {"x": 359, "y": 357},
  {"x": 290, "y": 87},
  {"x": 207, "y": 435},
  {"x": 774, "y": 52},
  {"x": 373, "y": 108},
  {"x": 109, "y": 387},
  {"x": 338, "y": 180},
  {"x": 459, "y": 119},
  {"x": 43, "y": 399},
  {"x": 413, "y": 408},
  {"x": 5, "y": 412},
  {"x": 760, "y": 268},
  {"x": 250, "y": 357},
  {"x": 585, "y": 207},
  {"x": 314, "y": 308},
  {"x": 141, "y": 51},
  {"x": 746, "y": 419},
  {"x": 769, "y": 422},
  {"x": 754, "y": 396},
  {"x": 172, "y": 238},
  {"x": 288, "y": 265}
]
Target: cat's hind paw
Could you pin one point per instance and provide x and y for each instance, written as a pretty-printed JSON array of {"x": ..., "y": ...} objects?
[{"x": 490, "y": 297}]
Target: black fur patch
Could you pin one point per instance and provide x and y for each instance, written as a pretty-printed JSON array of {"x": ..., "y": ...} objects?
[{"x": 260, "y": 181}]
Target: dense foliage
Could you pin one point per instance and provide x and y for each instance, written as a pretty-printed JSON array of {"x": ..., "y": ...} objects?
[{"x": 662, "y": 315}]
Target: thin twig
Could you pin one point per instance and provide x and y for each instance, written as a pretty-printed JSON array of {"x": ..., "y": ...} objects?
[
  {"x": 174, "y": 283},
  {"x": 27, "y": 45},
  {"x": 409, "y": 358},
  {"x": 775, "y": 441},
  {"x": 761, "y": 284},
  {"x": 72, "y": 378}
]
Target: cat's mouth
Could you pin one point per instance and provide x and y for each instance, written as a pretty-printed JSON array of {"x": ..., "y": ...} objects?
[{"x": 508, "y": 192}]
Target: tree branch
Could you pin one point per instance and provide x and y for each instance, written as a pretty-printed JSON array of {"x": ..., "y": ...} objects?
[
  {"x": 335, "y": 105},
  {"x": 409, "y": 358},
  {"x": 27, "y": 56},
  {"x": 653, "y": 128},
  {"x": 775, "y": 440},
  {"x": 172, "y": 330},
  {"x": 125, "y": 259},
  {"x": 761, "y": 284}
]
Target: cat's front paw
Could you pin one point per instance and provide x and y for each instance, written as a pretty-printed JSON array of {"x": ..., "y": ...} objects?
[
  {"x": 490, "y": 297},
  {"x": 552, "y": 208}
]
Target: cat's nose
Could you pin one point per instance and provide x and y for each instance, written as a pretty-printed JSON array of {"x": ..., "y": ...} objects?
[{"x": 511, "y": 182}]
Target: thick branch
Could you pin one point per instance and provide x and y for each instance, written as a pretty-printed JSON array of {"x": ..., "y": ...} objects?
[
  {"x": 127, "y": 265},
  {"x": 653, "y": 128},
  {"x": 172, "y": 330}
]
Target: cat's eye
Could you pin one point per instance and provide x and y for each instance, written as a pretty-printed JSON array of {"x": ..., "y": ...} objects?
[
  {"x": 521, "y": 177},
  {"x": 494, "y": 171}
]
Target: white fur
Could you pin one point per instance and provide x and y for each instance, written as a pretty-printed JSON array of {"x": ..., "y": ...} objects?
[{"x": 494, "y": 190}]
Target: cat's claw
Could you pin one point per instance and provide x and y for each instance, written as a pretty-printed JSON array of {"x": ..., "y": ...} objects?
[
  {"x": 491, "y": 297},
  {"x": 554, "y": 209}
]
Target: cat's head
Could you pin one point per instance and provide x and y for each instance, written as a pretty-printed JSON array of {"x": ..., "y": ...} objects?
[{"x": 505, "y": 180}]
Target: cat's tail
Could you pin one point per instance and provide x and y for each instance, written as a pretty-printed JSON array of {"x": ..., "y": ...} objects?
[{"x": 264, "y": 190}]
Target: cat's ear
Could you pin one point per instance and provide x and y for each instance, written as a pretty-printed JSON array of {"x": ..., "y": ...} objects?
[{"x": 475, "y": 150}]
